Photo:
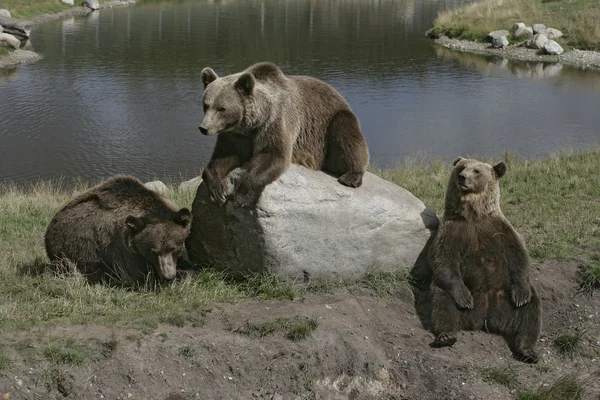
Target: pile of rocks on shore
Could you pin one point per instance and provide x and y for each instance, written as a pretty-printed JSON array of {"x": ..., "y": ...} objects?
[
  {"x": 15, "y": 33},
  {"x": 538, "y": 36}
]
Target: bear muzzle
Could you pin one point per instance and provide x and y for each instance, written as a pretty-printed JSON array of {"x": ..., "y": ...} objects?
[{"x": 167, "y": 266}]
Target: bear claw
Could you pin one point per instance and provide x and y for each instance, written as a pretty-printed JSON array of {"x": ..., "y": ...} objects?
[
  {"x": 443, "y": 340},
  {"x": 528, "y": 356},
  {"x": 351, "y": 179}
]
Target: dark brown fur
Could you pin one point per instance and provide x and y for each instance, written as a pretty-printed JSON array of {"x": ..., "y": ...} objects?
[
  {"x": 119, "y": 227},
  {"x": 480, "y": 265},
  {"x": 266, "y": 120}
]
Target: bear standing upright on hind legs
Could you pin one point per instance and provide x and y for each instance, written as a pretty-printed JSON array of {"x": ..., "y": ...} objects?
[
  {"x": 266, "y": 120},
  {"x": 480, "y": 265}
]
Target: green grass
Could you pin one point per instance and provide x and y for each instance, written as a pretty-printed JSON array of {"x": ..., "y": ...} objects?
[
  {"x": 549, "y": 201},
  {"x": 569, "y": 343},
  {"x": 505, "y": 376},
  {"x": 568, "y": 387},
  {"x": 5, "y": 362},
  {"x": 295, "y": 329},
  {"x": 187, "y": 351},
  {"x": 590, "y": 278},
  {"x": 577, "y": 19},
  {"x": 65, "y": 351},
  {"x": 29, "y": 9},
  {"x": 5, "y": 50}
]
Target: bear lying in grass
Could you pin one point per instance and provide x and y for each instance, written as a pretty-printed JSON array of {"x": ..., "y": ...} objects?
[
  {"x": 480, "y": 265},
  {"x": 266, "y": 120},
  {"x": 119, "y": 230}
]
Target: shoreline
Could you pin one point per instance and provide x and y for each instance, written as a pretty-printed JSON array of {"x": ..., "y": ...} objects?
[
  {"x": 584, "y": 59},
  {"x": 24, "y": 57}
]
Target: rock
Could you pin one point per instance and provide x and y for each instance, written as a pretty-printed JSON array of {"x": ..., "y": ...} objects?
[
  {"x": 7, "y": 39},
  {"x": 523, "y": 32},
  {"x": 5, "y": 13},
  {"x": 306, "y": 225},
  {"x": 537, "y": 41},
  {"x": 538, "y": 28},
  {"x": 1, "y": 29},
  {"x": 16, "y": 27},
  {"x": 553, "y": 34},
  {"x": 553, "y": 48},
  {"x": 517, "y": 26},
  {"x": 93, "y": 4},
  {"x": 157, "y": 186},
  {"x": 192, "y": 184},
  {"x": 494, "y": 34},
  {"x": 69, "y": 2},
  {"x": 499, "y": 42}
]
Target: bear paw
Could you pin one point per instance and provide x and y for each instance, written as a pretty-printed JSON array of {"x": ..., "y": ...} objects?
[
  {"x": 351, "y": 179},
  {"x": 520, "y": 295},
  {"x": 218, "y": 193},
  {"x": 463, "y": 297},
  {"x": 528, "y": 356},
  {"x": 443, "y": 340}
]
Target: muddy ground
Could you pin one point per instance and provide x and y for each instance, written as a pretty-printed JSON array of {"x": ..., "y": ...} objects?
[{"x": 365, "y": 346}]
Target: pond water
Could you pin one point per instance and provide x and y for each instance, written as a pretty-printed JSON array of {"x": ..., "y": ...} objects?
[{"x": 119, "y": 91}]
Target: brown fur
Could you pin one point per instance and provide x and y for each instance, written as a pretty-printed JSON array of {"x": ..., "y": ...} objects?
[
  {"x": 266, "y": 120},
  {"x": 480, "y": 265},
  {"x": 117, "y": 227}
]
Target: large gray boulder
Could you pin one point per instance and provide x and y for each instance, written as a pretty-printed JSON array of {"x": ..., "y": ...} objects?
[
  {"x": 538, "y": 28},
  {"x": 16, "y": 27},
  {"x": 93, "y": 4},
  {"x": 553, "y": 48},
  {"x": 192, "y": 184},
  {"x": 68, "y": 2},
  {"x": 306, "y": 225},
  {"x": 5, "y": 13},
  {"x": 157, "y": 186},
  {"x": 537, "y": 41},
  {"x": 523, "y": 32},
  {"x": 9, "y": 40},
  {"x": 499, "y": 42},
  {"x": 553, "y": 34},
  {"x": 1, "y": 29}
]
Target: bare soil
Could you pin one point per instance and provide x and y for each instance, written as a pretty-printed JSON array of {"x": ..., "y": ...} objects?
[{"x": 364, "y": 347}]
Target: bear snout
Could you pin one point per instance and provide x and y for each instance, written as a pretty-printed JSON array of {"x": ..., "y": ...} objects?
[
  {"x": 167, "y": 266},
  {"x": 203, "y": 130},
  {"x": 462, "y": 179}
]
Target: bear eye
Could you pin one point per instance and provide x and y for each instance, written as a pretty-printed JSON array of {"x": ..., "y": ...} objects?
[
  {"x": 221, "y": 109},
  {"x": 476, "y": 171}
]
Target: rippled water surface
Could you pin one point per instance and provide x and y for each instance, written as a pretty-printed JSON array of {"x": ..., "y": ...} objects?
[{"x": 119, "y": 91}]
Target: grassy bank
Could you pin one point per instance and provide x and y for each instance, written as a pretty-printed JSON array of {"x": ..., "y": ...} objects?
[
  {"x": 5, "y": 50},
  {"x": 28, "y": 9},
  {"x": 577, "y": 19},
  {"x": 552, "y": 202}
]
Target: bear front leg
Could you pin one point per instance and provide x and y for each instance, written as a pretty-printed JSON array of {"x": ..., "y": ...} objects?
[
  {"x": 518, "y": 265},
  {"x": 231, "y": 151},
  {"x": 264, "y": 168},
  {"x": 445, "y": 318}
]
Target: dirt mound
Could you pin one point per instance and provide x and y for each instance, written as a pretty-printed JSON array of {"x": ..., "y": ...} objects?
[{"x": 346, "y": 345}]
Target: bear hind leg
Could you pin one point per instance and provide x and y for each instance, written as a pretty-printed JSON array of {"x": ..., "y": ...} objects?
[
  {"x": 347, "y": 154},
  {"x": 445, "y": 318},
  {"x": 520, "y": 326}
]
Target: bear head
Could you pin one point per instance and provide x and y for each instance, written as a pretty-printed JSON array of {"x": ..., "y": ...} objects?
[
  {"x": 160, "y": 240},
  {"x": 474, "y": 187},
  {"x": 225, "y": 101}
]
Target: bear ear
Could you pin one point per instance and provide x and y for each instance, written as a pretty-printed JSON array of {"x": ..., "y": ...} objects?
[
  {"x": 183, "y": 217},
  {"x": 459, "y": 159},
  {"x": 500, "y": 169},
  {"x": 135, "y": 224},
  {"x": 208, "y": 76},
  {"x": 245, "y": 83}
]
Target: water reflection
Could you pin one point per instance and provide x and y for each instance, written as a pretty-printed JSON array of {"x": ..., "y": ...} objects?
[{"x": 558, "y": 73}]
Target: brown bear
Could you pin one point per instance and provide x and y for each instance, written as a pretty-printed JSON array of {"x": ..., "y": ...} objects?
[
  {"x": 119, "y": 230},
  {"x": 481, "y": 266},
  {"x": 266, "y": 120}
]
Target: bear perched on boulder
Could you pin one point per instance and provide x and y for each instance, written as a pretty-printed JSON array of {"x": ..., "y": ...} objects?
[
  {"x": 119, "y": 229},
  {"x": 266, "y": 120},
  {"x": 480, "y": 265}
]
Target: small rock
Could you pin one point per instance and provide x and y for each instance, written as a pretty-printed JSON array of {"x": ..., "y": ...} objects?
[
  {"x": 537, "y": 41},
  {"x": 538, "y": 28},
  {"x": 500, "y": 33},
  {"x": 192, "y": 184},
  {"x": 499, "y": 42},
  {"x": 93, "y": 4},
  {"x": 517, "y": 26},
  {"x": 553, "y": 34},
  {"x": 5, "y": 13},
  {"x": 525, "y": 31},
  {"x": 68, "y": 2},
  {"x": 9, "y": 40},
  {"x": 157, "y": 186},
  {"x": 553, "y": 48}
]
